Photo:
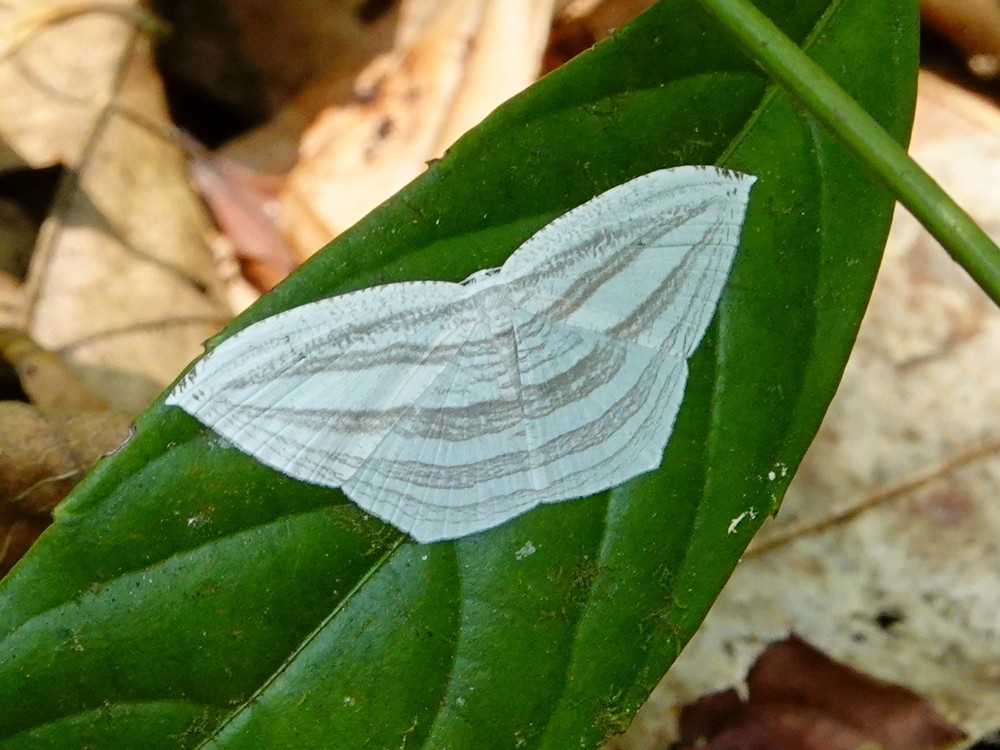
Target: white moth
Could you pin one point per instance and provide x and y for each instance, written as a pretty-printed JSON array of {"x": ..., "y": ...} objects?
[{"x": 445, "y": 409}]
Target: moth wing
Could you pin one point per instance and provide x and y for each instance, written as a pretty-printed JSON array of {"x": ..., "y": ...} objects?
[
  {"x": 599, "y": 409},
  {"x": 456, "y": 460},
  {"x": 446, "y": 410},
  {"x": 542, "y": 413},
  {"x": 312, "y": 391},
  {"x": 644, "y": 262}
]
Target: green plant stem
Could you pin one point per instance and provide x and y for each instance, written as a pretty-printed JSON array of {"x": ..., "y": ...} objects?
[{"x": 823, "y": 98}]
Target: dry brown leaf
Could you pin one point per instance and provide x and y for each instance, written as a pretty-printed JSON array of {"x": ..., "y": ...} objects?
[
  {"x": 800, "y": 699},
  {"x": 580, "y": 24},
  {"x": 240, "y": 291},
  {"x": 113, "y": 284},
  {"x": 17, "y": 238},
  {"x": 296, "y": 42},
  {"x": 244, "y": 206},
  {"x": 57, "y": 59},
  {"x": 45, "y": 378},
  {"x": 122, "y": 282},
  {"x": 309, "y": 53},
  {"x": 454, "y": 61},
  {"x": 12, "y": 306},
  {"x": 974, "y": 25},
  {"x": 601, "y": 17},
  {"x": 43, "y": 454}
]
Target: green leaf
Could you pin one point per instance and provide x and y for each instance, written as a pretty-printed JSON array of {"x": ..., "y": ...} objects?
[{"x": 189, "y": 597}]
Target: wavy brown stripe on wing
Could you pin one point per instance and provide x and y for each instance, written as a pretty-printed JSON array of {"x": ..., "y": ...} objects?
[
  {"x": 665, "y": 298},
  {"x": 586, "y": 436}
]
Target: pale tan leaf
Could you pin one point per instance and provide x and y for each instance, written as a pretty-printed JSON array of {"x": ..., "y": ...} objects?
[
  {"x": 454, "y": 61},
  {"x": 57, "y": 64},
  {"x": 240, "y": 292},
  {"x": 122, "y": 280}
]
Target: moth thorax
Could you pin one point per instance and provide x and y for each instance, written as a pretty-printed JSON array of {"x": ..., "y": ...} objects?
[
  {"x": 480, "y": 276},
  {"x": 494, "y": 304}
]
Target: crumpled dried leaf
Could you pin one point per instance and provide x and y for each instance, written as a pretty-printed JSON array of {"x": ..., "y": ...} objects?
[
  {"x": 17, "y": 237},
  {"x": 12, "y": 306},
  {"x": 122, "y": 282},
  {"x": 454, "y": 61},
  {"x": 43, "y": 454},
  {"x": 244, "y": 205},
  {"x": 580, "y": 24},
  {"x": 45, "y": 378},
  {"x": 973, "y": 25},
  {"x": 56, "y": 57},
  {"x": 309, "y": 54},
  {"x": 47, "y": 447},
  {"x": 601, "y": 17},
  {"x": 296, "y": 42},
  {"x": 800, "y": 699}
]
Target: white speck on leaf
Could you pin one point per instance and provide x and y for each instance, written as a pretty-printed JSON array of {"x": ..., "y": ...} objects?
[
  {"x": 739, "y": 519},
  {"x": 525, "y": 551}
]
